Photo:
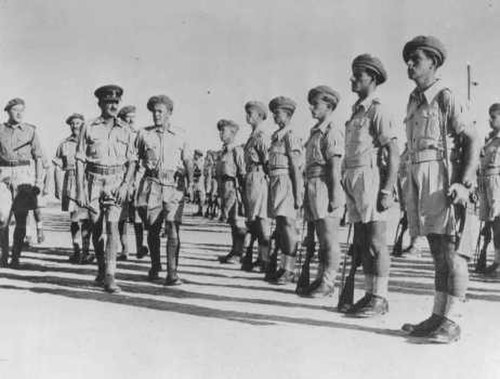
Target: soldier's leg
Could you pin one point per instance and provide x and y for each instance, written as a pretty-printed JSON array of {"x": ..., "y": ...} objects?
[
  {"x": 37, "y": 213},
  {"x": 141, "y": 250},
  {"x": 154, "y": 231},
  {"x": 86, "y": 231},
  {"x": 4, "y": 245},
  {"x": 246, "y": 262},
  {"x": 173, "y": 244},
  {"x": 123, "y": 232},
  {"x": 112, "y": 244},
  {"x": 18, "y": 237},
  {"x": 98, "y": 242},
  {"x": 264, "y": 240},
  {"x": 289, "y": 237},
  {"x": 75, "y": 238},
  {"x": 441, "y": 273},
  {"x": 329, "y": 252},
  {"x": 495, "y": 225}
]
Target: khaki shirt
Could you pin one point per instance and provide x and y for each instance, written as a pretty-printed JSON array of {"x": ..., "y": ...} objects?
[
  {"x": 284, "y": 145},
  {"x": 161, "y": 149},
  {"x": 231, "y": 162},
  {"x": 257, "y": 149},
  {"x": 106, "y": 143},
  {"x": 490, "y": 153},
  {"x": 19, "y": 142},
  {"x": 65, "y": 153},
  {"x": 325, "y": 141},
  {"x": 369, "y": 128}
]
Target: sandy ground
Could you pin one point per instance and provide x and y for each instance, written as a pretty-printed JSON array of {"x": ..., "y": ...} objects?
[{"x": 222, "y": 323}]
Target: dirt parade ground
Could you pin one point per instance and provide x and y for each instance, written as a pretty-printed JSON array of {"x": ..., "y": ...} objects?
[{"x": 223, "y": 322}]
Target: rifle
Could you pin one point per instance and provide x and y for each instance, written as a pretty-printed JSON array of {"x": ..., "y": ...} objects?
[
  {"x": 304, "y": 277},
  {"x": 86, "y": 206},
  {"x": 397, "y": 250},
  {"x": 346, "y": 296},
  {"x": 481, "y": 254}
]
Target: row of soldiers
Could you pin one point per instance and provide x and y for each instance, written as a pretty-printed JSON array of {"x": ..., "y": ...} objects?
[{"x": 271, "y": 178}]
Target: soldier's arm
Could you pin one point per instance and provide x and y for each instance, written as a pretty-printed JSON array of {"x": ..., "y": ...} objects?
[
  {"x": 389, "y": 180},
  {"x": 333, "y": 150},
  {"x": 130, "y": 165},
  {"x": 37, "y": 154},
  {"x": 80, "y": 161}
]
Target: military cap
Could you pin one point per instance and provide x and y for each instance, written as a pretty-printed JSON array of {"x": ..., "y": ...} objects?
[
  {"x": 260, "y": 107},
  {"x": 160, "y": 99},
  {"x": 372, "y": 64},
  {"x": 428, "y": 43},
  {"x": 109, "y": 92},
  {"x": 126, "y": 110},
  {"x": 325, "y": 93},
  {"x": 13, "y": 102},
  {"x": 75, "y": 116},
  {"x": 495, "y": 107},
  {"x": 227, "y": 123},
  {"x": 283, "y": 103}
]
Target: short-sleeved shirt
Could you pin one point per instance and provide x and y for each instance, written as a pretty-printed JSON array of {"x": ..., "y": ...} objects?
[
  {"x": 369, "y": 128},
  {"x": 257, "y": 149},
  {"x": 19, "y": 142},
  {"x": 325, "y": 142},
  {"x": 162, "y": 148},
  {"x": 106, "y": 142},
  {"x": 65, "y": 153},
  {"x": 231, "y": 162},
  {"x": 428, "y": 112},
  {"x": 284, "y": 145},
  {"x": 490, "y": 153}
]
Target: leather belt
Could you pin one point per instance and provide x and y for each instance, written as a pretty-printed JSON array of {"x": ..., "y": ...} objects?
[
  {"x": 14, "y": 163},
  {"x": 279, "y": 171},
  {"x": 426, "y": 155},
  {"x": 104, "y": 170}
]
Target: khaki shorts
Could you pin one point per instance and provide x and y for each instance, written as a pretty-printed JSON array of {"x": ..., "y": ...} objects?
[
  {"x": 489, "y": 197},
  {"x": 101, "y": 186},
  {"x": 21, "y": 181},
  {"x": 316, "y": 200}
]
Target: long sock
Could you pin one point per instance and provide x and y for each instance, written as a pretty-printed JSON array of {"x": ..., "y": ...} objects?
[
  {"x": 380, "y": 286},
  {"x": 439, "y": 303},
  {"x": 453, "y": 307},
  {"x": 369, "y": 284}
]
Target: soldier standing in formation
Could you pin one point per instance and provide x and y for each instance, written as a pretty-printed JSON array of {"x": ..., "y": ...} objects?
[
  {"x": 162, "y": 152},
  {"x": 285, "y": 186},
  {"x": 433, "y": 115},
  {"x": 198, "y": 181},
  {"x": 231, "y": 173},
  {"x": 324, "y": 197},
  {"x": 368, "y": 193},
  {"x": 130, "y": 214},
  {"x": 105, "y": 164},
  {"x": 22, "y": 169},
  {"x": 65, "y": 190},
  {"x": 256, "y": 183},
  {"x": 489, "y": 183}
]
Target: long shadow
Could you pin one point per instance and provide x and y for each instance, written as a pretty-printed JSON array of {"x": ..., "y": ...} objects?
[{"x": 201, "y": 311}]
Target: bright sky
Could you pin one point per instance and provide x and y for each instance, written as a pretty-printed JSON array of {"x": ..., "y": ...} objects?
[{"x": 212, "y": 56}]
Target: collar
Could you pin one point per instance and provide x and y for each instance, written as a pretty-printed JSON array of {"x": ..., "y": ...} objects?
[
  {"x": 164, "y": 128},
  {"x": 365, "y": 103},
  {"x": 72, "y": 138},
  {"x": 321, "y": 127},
  {"x": 258, "y": 130},
  {"x": 280, "y": 133},
  {"x": 13, "y": 126},
  {"x": 429, "y": 93},
  {"x": 228, "y": 146}
]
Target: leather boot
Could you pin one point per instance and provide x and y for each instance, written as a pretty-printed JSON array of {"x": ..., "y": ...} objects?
[
  {"x": 246, "y": 262},
  {"x": 288, "y": 275},
  {"x": 101, "y": 268},
  {"x": 4, "y": 244},
  {"x": 75, "y": 257},
  {"x": 447, "y": 332},
  {"x": 425, "y": 327},
  {"x": 19, "y": 235},
  {"x": 172, "y": 277},
  {"x": 377, "y": 306}
]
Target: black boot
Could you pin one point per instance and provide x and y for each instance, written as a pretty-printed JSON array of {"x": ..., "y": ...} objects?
[
  {"x": 172, "y": 277},
  {"x": 75, "y": 257},
  {"x": 447, "y": 332},
  {"x": 361, "y": 303},
  {"x": 101, "y": 269},
  {"x": 377, "y": 306},
  {"x": 425, "y": 327},
  {"x": 4, "y": 245}
]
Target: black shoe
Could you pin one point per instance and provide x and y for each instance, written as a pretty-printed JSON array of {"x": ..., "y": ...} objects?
[
  {"x": 99, "y": 279},
  {"x": 173, "y": 280},
  {"x": 246, "y": 264},
  {"x": 286, "y": 278},
  {"x": 447, "y": 332},
  {"x": 377, "y": 306},
  {"x": 425, "y": 327},
  {"x": 4, "y": 261},
  {"x": 353, "y": 309},
  {"x": 320, "y": 290},
  {"x": 228, "y": 259},
  {"x": 122, "y": 257},
  {"x": 272, "y": 275},
  {"x": 74, "y": 258},
  {"x": 14, "y": 263},
  {"x": 110, "y": 285},
  {"x": 142, "y": 252},
  {"x": 492, "y": 269},
  {"x": 87, "y": 259}
]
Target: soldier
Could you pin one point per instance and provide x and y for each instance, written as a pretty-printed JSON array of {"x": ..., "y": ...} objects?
[
  {"x": 369, "y": 133},
  {"x": 433, "y": 114},
  {"x": 65, "y": 190},
  {"x": 324, "y": 197},
  {"x": 162, "y": 151},
  {"x": 22, "y": 170},
  {"x": 198, "y": 181},
  {"x": 127, "y": 115},
  {"x": 231, "y": 174},
  {"x": 489, "y": 183},
  {"x": 105, "y": 164},
  {"x": 256, "y": 183},
  {"x": 285, "y": 185}
]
